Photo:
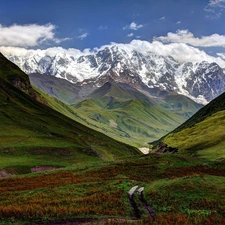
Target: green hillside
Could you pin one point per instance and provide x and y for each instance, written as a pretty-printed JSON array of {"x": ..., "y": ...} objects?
[
  {"x": 180, "y": 105},
  {"x": 133, "y": 115},
  {"x": 120, "y": 91},
  {"x": 118, "y": 110},
  {"x": 33, "y": 134},
  {"x": 170, "y": 101},
  {"x": 126, "y": 114},
  {"x": 134, "y": 120},
  {"x": 203, "y": 134}
]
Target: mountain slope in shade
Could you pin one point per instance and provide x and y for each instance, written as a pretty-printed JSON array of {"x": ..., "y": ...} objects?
[
  {"x": 58, "y": 88},
  {"x": 120, "y": 91},
  {"x": 33, "y": 134},
  {"x": 203, "y": 134}
]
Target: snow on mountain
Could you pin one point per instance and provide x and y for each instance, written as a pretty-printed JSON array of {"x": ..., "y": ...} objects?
[{"x": 201, "y": 81}]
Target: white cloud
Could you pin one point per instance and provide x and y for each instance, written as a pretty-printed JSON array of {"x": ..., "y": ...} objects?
[
  {"x": 215, "y": 8},
  {"x": 217, "y": 3},
  {"x": 221, "y": 55},
  {"x": 83, "y": 36},
  {"x": 103, "y": 27},
  {"x": 178, "y": 22},
  {"x": 184, "y": 36},
  {"x": 28, "y": 35},
  {"x": 162, "y": 18},
  {"x": 17, "y": 51},
  {"x": 130, "y": 35},
  {"x": 133, "y": 26}
]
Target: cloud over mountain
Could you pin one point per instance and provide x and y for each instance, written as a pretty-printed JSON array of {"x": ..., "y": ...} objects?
[
  {"x": 179, "y": 51},
  {"x": 28, "y": 35},
  {"x": 185, "y": 36}
]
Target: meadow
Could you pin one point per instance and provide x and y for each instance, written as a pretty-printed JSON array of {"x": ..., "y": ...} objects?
[{"x": 181, "y": 190}]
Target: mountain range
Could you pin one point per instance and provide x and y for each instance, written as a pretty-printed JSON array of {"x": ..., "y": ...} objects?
[
  {"x": 200, "y": 81},
  {"x": 184, "y": 188}
]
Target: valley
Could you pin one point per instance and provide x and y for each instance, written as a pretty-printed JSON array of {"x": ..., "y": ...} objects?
[
  {"x": 73, "y": 160},
  {"x": 118, "y": 109},
  {"x": 112, "y": 112},
  {"x": 119, "y": 112}
]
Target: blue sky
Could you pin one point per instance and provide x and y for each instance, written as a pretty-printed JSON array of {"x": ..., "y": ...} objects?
[{"x": 80, "y": 24}]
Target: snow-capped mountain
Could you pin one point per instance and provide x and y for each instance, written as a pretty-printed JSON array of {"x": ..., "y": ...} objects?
[{"x": 201, "y": 81}]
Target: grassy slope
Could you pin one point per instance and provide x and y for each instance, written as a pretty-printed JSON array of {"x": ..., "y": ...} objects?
[
  {"x": 206, "y": 138},
  {"x": 33, "y": 134},
  {"x": 128, "y": 114},
  {"x": 99, "y": 112},
  {"x": 203, "y": 134},
  {"x": 131, "y": 121}
]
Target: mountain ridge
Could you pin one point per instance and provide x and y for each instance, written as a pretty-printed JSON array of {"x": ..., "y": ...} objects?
[{"x": 200, "y": 81}]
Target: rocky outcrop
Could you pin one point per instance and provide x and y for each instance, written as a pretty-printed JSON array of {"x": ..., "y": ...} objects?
[
  {"x": 164, "y": 148},
  {"x": 4, "y": 174}
]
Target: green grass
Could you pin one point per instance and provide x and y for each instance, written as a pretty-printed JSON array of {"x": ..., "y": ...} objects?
[
  {"x": 206, "y": 138},
  {"x": 191, "y": 187},
  {"x": 203, "y": 134}
]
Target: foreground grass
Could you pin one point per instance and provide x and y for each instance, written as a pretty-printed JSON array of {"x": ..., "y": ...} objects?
[{"x": 182, "y": 190}]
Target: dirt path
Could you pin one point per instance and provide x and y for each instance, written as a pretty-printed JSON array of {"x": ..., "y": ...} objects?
[{"x": 136, "y": 211}]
